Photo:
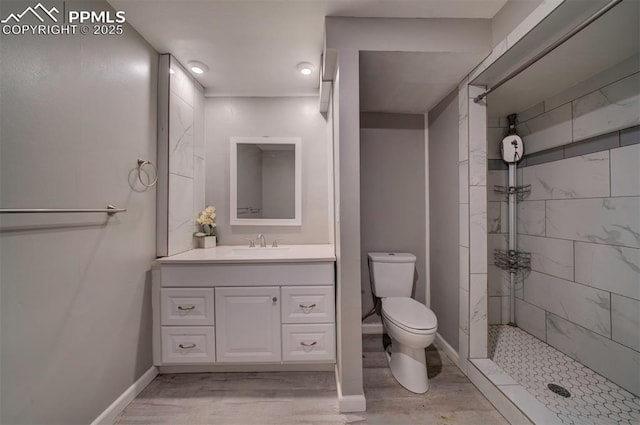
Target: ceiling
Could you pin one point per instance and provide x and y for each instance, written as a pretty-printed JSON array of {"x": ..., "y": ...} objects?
[
  {"x": 252, "y": 47},
  {"x": 608, "y": 41},
  {"x": 408, "y": 82}
]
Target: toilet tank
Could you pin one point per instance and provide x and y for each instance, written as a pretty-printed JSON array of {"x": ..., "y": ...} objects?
[{"x": 391, "y": 273}]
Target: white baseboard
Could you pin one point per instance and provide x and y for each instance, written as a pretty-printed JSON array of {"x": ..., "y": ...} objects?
[
  {"x": 111, "y": 413},
  {"x": 448, "y": 350},
  {"x": 349, "y": 403},
  {"x": 372, "y": 329}
]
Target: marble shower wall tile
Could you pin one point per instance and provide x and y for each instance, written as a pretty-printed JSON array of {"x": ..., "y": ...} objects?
[
  {"x": 494, "y": 224},
  {"x": 494, "y": 139},
  {"x": 611, "y": 268},
  {"x": 180, "y": 136},
  {"x": 625, "y": 171},
  {"x": 477, "y": 144},
  {"x": 548, "y": 130},
  {"x": 584, "y": 176},
  {"x": 612, "y": 221},
  {"x": 613, "y": 107},
  {"x": 464, "y": 268},
  {"x": 463, "y": 122},
  {"x": 464, "y": 310},
  {"x": 198, "y": 185},
  {"x": 531, "y": 318},
  {"x": 498, "y": 281},
  {"x": 181, "y": 84},
  {"x": 505, "y": 305},
  {"x": 548, "y": 255},
  {"x": 625, "y": 321},
  {"x": 588, "y": 307},
  {"x": 478, "y": 229},
  {"x": 463, "y": 175},
  {"x": 464, "y": 224},
  {"x": 494, "y": 310},
  {"x": 496, "y": 241},
  {"x": 531, "y": 218},
  {"x": 198, "y": 139},
  {"x": 478, "y": 331},
  {"x": 181, "y": 218},
  {"x": 496, "y": 178},
  {"x": 595, "y": 352}
]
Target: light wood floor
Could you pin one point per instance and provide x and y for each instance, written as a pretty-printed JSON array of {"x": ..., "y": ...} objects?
[{"x": 310, "y": 397}]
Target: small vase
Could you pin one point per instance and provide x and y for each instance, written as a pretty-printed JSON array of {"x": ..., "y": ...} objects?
[{"x": 206, "y": 241}]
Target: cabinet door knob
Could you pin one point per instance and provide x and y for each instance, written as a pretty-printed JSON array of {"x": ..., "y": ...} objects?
[
  {"x": 186, "y": 308},
  {"x": 187, "y": 346},
  {"x": 274, "y": 299}
]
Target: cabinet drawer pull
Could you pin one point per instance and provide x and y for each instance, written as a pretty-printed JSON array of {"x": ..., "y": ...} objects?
[
  {"x": 302, "y": 306},
  {"x": 304, "y": 344},
  {"x": 187, "y": 308},
  {"x": 186, "y": 347}
]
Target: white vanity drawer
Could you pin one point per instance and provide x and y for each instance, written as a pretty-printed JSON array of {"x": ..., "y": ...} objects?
[
  {"x": 188, "y": 344},
  {"x": 308, "y": 342},
  {"x": 308, "y": 304},
  {"x": 187, "y": 307}
]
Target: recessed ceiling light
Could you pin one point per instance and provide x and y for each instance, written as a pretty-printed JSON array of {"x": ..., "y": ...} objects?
[
  {"x": 305, "y": 68},
  {"x": 197, "y": 67}
]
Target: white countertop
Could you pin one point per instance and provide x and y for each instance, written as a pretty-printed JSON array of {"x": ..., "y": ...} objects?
[{"x": 244, "y": 254}]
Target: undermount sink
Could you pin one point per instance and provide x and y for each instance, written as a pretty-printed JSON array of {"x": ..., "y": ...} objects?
[{"x": 257, "y": 252}]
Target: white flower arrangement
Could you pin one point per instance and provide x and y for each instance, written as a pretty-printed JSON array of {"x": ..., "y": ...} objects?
[{"x": 207, "y": 220}]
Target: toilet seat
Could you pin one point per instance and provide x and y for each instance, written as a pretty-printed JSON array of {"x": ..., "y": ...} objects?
[{"x": 409, "y": 315}]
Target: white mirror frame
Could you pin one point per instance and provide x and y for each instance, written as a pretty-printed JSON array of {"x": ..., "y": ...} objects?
[{"x": 233, "y": 169}]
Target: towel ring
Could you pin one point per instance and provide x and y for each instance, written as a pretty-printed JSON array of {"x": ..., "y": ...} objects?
[{"x": 141, "y": 164}]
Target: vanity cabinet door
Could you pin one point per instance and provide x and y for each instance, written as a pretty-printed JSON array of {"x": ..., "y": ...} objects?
[{"x": 248, "y": 324}]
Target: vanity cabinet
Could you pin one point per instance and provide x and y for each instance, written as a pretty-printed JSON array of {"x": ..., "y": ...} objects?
[
  {"x": 241, "y": 315},
  {"x": 248, "y": 324}
]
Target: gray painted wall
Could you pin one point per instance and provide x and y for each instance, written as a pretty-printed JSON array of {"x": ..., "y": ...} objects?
[
  {"x": 77, "y": 112},
  {"x": 346, "y": 114},
  {"x": 282, "y": 116},
  {"x": 392, "y": 192},
  {"x": 443, "y": 217}
]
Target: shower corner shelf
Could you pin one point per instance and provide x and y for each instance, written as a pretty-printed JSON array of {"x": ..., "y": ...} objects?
[
  {"x": 512, "y": 261},
  {"x": 520, "y": 191}
]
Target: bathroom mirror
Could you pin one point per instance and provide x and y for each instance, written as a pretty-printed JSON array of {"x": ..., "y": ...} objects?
[{"x": 265, "y": 181}]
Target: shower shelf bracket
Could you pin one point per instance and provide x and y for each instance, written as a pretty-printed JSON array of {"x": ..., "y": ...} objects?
[
  {"x": 519, "y": 191},
  {"x": 512, "y": 261}
]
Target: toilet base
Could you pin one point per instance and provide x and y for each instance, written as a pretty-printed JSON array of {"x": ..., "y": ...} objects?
[{"x": 409, "y": 366}]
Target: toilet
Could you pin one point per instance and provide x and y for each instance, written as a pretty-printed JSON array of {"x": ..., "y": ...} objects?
[{"x": 410, "y": 324}]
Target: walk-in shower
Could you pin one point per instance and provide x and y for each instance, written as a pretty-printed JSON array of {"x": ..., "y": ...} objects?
[{"x": 563, "y": 226}]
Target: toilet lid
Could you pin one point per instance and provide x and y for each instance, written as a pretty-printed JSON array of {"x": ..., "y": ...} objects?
[{"x": 409, "y": 313}]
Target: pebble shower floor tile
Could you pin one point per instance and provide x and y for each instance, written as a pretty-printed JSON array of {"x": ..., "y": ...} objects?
[{"x": 594, "y": 399}]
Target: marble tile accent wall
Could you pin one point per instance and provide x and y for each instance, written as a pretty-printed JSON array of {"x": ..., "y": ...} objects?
[
  {"x": 185, "y": 158},
  {"x": 463, "y": 179},
  {"x": 478, "y": 258}
]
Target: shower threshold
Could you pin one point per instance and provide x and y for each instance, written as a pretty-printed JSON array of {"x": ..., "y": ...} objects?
[{"x": 549, "y": 386}]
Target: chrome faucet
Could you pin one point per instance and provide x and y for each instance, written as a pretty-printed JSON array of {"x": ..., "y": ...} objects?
[{"x": 263, "y": 242}]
